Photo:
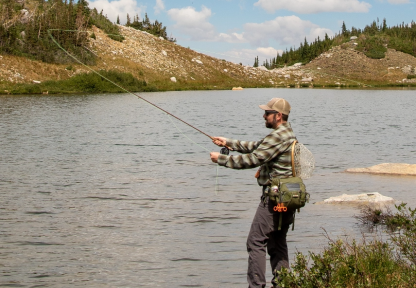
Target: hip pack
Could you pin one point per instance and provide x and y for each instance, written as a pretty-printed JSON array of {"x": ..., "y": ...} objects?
[{"x": 289, "y": 194}]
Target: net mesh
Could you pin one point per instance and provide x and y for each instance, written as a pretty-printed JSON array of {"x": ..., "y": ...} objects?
[{"x": 304, "y": 161}]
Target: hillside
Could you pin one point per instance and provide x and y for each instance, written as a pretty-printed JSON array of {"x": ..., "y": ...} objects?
[{"x": 165, "y": 65}]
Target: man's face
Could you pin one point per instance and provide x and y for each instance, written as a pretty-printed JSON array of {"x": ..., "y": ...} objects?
[{"x": 271, "y": 118}]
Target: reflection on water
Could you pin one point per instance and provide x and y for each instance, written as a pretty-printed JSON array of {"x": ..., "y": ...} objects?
[{"x": 103, "y": 191}]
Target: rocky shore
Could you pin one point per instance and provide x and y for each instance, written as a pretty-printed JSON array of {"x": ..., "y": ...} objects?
[{"x": 169, "y": 66}]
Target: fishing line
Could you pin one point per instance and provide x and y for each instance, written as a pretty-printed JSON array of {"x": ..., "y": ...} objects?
[
  {"x": 223, "y": 150},
  {"x": 89, "y": 68}
]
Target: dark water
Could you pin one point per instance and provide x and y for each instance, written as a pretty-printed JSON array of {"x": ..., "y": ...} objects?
[{"x": 104, "y": 191}]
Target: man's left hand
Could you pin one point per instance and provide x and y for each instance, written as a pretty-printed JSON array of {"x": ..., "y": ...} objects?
[{"x": 214, "y": 156}]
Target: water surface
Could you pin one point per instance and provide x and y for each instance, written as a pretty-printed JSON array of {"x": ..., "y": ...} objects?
[{"x": 105, "y": 191}]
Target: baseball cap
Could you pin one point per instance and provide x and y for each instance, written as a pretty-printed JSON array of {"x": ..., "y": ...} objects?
[{"x": 277, "y": 104}]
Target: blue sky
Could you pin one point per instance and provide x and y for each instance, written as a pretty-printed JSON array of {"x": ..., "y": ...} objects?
[{"x": 239, "y": 30}]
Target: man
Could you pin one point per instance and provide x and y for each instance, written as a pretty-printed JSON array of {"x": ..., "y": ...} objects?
[{"x": 273, "y": 155}]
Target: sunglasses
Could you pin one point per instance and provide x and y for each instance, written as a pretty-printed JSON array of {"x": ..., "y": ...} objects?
[{"x": 268, "y": 112}]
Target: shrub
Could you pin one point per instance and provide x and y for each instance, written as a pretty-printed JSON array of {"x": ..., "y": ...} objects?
[
  {"x": 352, "y": 264},
  {"x": 373, "y": 47}
]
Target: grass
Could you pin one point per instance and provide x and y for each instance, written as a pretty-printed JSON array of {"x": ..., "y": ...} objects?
[
  {"x": 87, "y": 83},
  {"x": 372, "y": 263}
]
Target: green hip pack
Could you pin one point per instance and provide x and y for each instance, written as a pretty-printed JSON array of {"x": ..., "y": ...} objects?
[{"x": 288, "y": 194}]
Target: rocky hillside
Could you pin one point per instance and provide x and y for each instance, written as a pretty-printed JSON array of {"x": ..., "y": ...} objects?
[{"x": 169, "y": 66}]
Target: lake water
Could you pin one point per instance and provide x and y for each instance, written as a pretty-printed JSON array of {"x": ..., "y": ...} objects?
[{"x": 105, "y": 191}]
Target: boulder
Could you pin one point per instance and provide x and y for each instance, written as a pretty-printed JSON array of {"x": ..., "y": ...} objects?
[
  {"x": 173, "y": 79},
  {"x": 197, "y": 61},
  {"x": 262, "y": 68},
  {"x": 387, "y": 168},
  {"x": 364, "y": 198},
  {"x": 353, "y": 37},
  {"x": 164, "y": 53},
  {"x": 309, "y": 79},
  {"x": 297, "y": 64},
  {"x": 237, "y": 88}
]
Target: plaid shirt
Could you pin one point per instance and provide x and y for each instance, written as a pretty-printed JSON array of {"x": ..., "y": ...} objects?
[{"x": 273, "y": 151}]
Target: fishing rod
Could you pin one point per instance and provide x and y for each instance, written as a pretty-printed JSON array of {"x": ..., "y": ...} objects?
[
  {"x": 225, "y": 150},
  {"x": 119, "y": 86}
]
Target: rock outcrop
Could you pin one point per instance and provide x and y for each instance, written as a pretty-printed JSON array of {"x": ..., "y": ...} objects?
[
  {"x": 387, "y": 168},
  {"x": 364, "y": 198}
]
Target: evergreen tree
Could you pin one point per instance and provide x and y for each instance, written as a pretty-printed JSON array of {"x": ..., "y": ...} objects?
[{"x": 118, "y": 20}]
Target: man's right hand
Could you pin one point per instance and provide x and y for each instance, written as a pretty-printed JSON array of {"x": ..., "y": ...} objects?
[{"x": 219, "y": 141}]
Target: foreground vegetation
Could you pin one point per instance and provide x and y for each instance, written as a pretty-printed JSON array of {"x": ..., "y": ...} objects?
[{"x": 372, "y": 263}]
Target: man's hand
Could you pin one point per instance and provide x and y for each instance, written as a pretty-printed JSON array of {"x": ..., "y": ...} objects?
[
  {"x": 214, "y": 156},
  {"x": 220, "y": 141}
]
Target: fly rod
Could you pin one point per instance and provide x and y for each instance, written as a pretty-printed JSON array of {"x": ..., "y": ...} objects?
[{"x": 122, "y": 88}]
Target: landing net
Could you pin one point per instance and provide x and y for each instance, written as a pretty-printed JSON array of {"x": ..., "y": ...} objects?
[{"x": 304, "y": 161}]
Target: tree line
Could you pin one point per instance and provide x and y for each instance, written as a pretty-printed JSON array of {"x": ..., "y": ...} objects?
[
  {"x": 372, "y": 40},
  {"x": 156, "y": 28},
  {"x": 26, "y": 33}
]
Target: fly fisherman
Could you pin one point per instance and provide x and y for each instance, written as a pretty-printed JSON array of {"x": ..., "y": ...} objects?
[{"x": 273, "y": 155}]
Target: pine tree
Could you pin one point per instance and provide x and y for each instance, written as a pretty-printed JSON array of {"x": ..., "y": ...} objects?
[
  {"x": 118, "y": 20},
  {"x": 128, "y": 20}
]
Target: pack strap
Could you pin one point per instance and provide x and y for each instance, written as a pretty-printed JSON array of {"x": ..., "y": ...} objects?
[{"x": 293, "y": 158}]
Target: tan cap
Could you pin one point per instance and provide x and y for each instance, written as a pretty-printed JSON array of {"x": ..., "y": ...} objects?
[{"x": 277, "y": 104}]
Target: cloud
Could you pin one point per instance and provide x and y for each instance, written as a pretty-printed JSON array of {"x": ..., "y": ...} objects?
[
  {"x": 315, "y": 6},
  {"x": 160, "y": 6},
  {"x": 268, "y": 51},
  {"x": 287, "y": 30},
  {"x": 398, "y": 1},
  {"x": 193, "y": 23},
  {"x": 117, "y": 8},
  {"x": 246, "y": 56}
]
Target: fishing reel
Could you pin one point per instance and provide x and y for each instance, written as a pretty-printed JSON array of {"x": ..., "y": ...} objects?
[{"x": 224, "y": 151}]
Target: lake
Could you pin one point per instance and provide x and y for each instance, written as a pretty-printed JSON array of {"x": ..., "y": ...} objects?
[{"x": 107, "y": 191}]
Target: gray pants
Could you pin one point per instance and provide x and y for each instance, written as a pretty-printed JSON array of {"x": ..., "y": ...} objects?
[{"x": 264, "y": 234}]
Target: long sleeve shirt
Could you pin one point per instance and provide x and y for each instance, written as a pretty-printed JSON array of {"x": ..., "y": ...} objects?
[{"x": 272, "y": 153}]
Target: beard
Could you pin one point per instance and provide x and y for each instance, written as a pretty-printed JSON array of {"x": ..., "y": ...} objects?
[{"x": 271, "y": 124}]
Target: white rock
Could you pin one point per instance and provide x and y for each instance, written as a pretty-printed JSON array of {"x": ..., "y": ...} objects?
[
  {"x": 161, "y": 38},
  {"x": 353, "y": 37},
  {"x": 225, "y": 70},
  {"x": 297, "y": 64},
  {"x": 287, "y": 76},
  {"x": 387, "y": 168},
  {"x": 355, "y": 43},
  {"x": 173, "y": 79},
  {"x": 309, "y": 79},
  {"x": 262, "y": 68},
  {"x": 36, "y": 81},
  {"x": 319, "y": 68},
  {"x": 197, "y": 61},
  {"x": 365, "y": 198},
  {"x": 164, "y": 53}
]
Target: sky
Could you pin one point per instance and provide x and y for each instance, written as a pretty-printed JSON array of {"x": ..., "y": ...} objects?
[{"x": 240, "y": 30}]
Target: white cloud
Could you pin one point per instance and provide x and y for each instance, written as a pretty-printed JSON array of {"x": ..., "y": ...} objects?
[
  {"x": 117, "y": 8},
  {"x": 160, "y": 6},
  {"x": 287, "y": 30},
  {"x": 246, "y": 56},
  {"x": 193, "y": 23},
  {"x": 398, "y": 1},
  {"x": 269, "y": 52},
  {"x": 315, "y": 6}
]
